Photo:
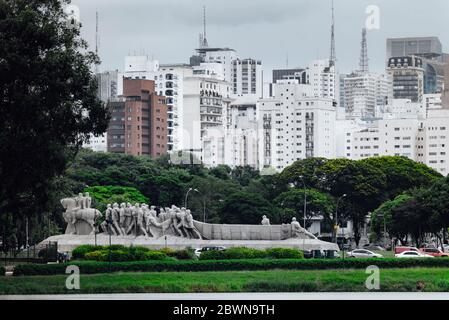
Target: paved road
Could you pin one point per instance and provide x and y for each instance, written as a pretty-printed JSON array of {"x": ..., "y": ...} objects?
[{"x": 241, "y": 296}]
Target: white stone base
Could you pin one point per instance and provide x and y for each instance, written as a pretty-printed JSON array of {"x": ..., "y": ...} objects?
[{"x": 66, "y": 243}]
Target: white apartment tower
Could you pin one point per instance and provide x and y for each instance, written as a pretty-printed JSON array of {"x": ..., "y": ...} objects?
[
  {"x": 170, "y": 83},
  {"x": 247, "y": 78},
  {"x": 323, "y": 78},
  {"x": 295, "y": 125},
  {"x": 207, "y": 98},
  {"x": 364, "y": 93}
]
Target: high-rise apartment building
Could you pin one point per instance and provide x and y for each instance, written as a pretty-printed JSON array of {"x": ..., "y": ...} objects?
[
  {"x": 364, "y": 93},
  {"x": 323, "y": 77},
  {"x": 139, "y": 121},
  {"x": 223, "y": 56},
  {"x": 294, "y": 125},
  {"x": 170, "y": 83},
  {"x": 207, "y": 98},
  {"x": 407, "y": 76},
  {"x": 247, "y": 78},
  {"x": 406, "y": 131}
]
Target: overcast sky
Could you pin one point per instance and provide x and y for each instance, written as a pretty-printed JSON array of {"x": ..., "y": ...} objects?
[{"x": 269, "y": 30}]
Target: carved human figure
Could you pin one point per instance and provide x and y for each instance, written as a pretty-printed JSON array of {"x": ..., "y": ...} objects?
[
  {"x": 128, "y": 217},
  {"x": 108, "y": 217},
  {"x": 173, "y": 221},
  {"x": 299, "y": 232},
  {"x": 122, "y": 216},
  {"x": 132, "y": 224},
  {"x": 140, "y": 221},
  {"x": 79, "y": 201},
  {"x": 190, "y": 227},
  {"x": 180, "y": 221},
  {"x": 265, "y": 221},
  {"x": 153, "y": 211},
  {"x": 116, "y": 218},
  {"x": 87, "y": 201}
]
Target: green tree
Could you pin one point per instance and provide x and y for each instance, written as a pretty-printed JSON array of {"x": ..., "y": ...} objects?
[
  {"x": 48, "y": 101},
  {"x": 403, "y": 174},
  {"x": 363, "y": 184},
  {"x": 246, "y": 208},
  {"x": 244, "y": 175},
  {"x": 318, "y": 204},
  {"x": 104, "y": 195}
]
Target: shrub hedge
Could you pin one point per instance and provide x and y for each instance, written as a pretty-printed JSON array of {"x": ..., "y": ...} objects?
[
  {"x": 91, "y": 267},
  {"x": 2, "y": 271},
  {"x": 119, "y": 253},
  {"x": 247, "y": 253}
]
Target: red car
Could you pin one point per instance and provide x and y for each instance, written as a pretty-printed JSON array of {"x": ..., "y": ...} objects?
[
  {"x": 399, "y": 250},
  {"x": 434, "y": 252}
]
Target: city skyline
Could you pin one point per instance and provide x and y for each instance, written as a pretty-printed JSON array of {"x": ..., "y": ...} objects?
[{"x": 279, "y": 34}]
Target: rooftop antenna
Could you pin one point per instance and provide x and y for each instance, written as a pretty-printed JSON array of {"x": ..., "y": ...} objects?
[
  {"x": 205, "y": 44},
  {"x": 97, "y": 41},
  {"x": 332, "y": 58},
  {"x": 363, "y": 63}
]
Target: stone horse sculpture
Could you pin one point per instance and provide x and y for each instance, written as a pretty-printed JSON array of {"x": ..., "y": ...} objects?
[{"x": 73, "y": 214}]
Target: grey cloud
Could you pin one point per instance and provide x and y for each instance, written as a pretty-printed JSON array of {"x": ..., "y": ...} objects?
[{"x": 263, "y": 29}]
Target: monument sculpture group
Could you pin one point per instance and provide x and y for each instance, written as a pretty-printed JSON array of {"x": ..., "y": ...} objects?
[{"x": 141, "y": 224}]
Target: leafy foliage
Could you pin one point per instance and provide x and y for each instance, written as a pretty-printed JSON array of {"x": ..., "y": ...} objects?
[{"x": 104, "y": 195}]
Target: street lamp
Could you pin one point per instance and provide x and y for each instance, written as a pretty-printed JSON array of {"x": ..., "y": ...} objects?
[
  {"x": 336, "y": 217},
  {"x": 385, "y": 229},
  {"x": 187, "y": 195},
  {"x": 305, "y": 213}
]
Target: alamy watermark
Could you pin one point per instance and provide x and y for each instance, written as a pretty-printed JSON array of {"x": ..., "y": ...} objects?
[
  {"x": 373, "y": 280},
  {"x": 372, "y": 21},
  {"x": 73, "y": 280}
]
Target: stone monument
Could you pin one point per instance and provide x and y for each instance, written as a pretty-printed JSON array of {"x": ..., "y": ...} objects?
[{"x": 174, "y": 227}]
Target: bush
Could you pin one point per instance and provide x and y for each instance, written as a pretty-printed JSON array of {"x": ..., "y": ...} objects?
[
  {"x": 95, "y": 256},
  {"x": 247, "y": 253},
  {"x": 2, "y": 271},
  {"x": 121, "y": 253},
  {"x": 91, "y": 267},
  {"x": 155, "y": 255},
  {"x": 81, "y": 251},
  {"x": 284, "y": 253}
]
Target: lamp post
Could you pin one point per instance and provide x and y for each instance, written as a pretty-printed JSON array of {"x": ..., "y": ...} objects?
[
  {"x": 187, "y": 195},
  {"x": 204, "y": 209},
  {"x": 385, "y": 229},
  {"x": 336, "y": 217},
  {"x": 305, "y": 213}
]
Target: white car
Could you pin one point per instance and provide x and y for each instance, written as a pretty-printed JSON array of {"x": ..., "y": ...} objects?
[
  {"x": 198, "y": 251},
  {"x": 363, "y": 253},
  {"x": 412, "y": 254}
]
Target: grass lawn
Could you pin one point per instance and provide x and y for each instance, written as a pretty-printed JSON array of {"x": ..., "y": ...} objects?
[{"x": 396, "y": 280}]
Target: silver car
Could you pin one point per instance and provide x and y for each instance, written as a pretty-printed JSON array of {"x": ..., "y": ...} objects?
[{"x": 363, "y": 253}]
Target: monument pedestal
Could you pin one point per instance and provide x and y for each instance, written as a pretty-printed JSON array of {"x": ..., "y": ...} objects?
[{"x": 67, "y": 243}]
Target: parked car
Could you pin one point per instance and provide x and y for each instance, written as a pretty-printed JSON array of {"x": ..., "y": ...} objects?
[
  {"x": 399, "y": 250},
  {"x": 363, "y": 253},
  {"x": 434, "y": 252},
  {"x": 198, "y": 251},
  {"x": 412, "y": 254}
]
